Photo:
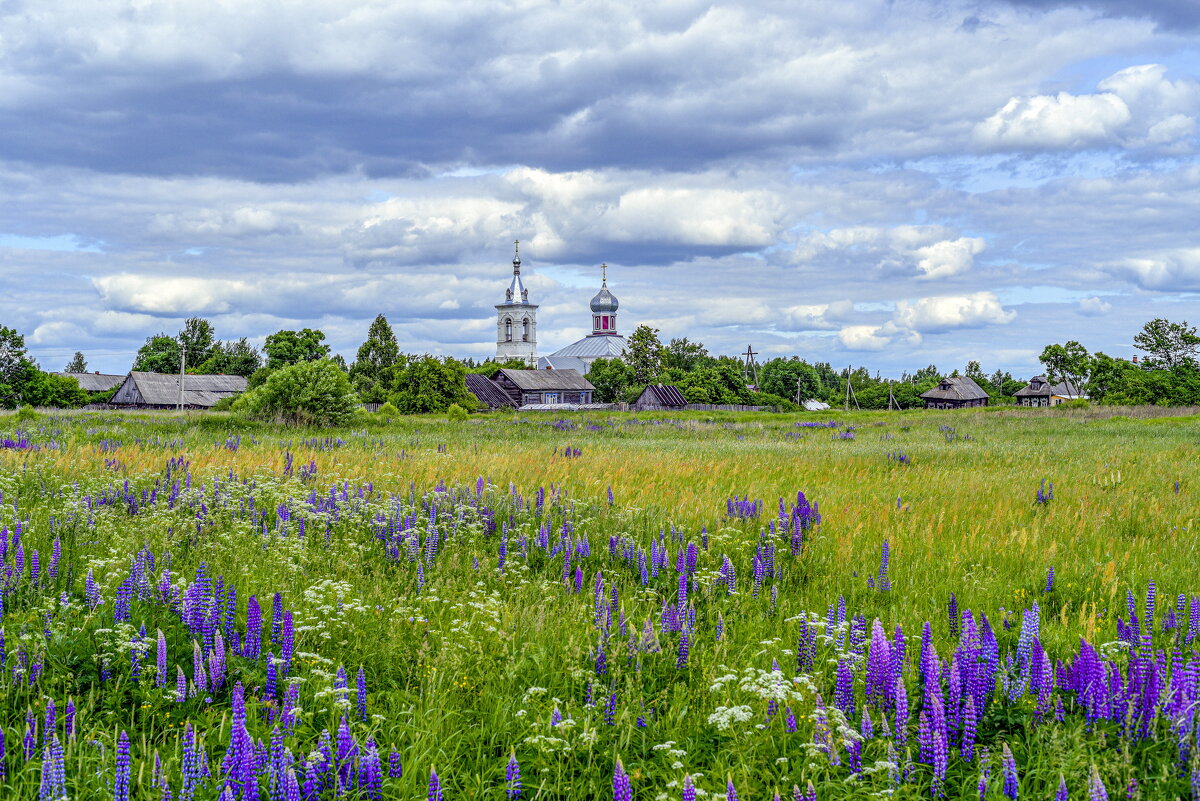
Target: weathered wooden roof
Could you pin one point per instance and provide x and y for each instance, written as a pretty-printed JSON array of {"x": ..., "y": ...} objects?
[
  {"x": 162, "y": 389},
  {"x": 1065, "y": 389},
  {"x": 663, "y": 394},
  {"x": 547, "y": 380},
  {"x": 488, "y": 391},
  {"x": 956, "y": 388},
  {"x": 95, "y": 382}
]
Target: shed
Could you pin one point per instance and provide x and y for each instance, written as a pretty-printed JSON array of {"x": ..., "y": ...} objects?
[
  {"x": 527, "y": 387},
  {"x": 95, "y": 382},
  {"x": 956, "y": 392},
  {"x": 488, "y": 392},
  {"x": 660, "y": 397},
  {"x": 1040, "y": 392},
  {"x": 161, "y": 390}
]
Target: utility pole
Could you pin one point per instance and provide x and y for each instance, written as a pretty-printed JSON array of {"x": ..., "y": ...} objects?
[
  {"x": 850, "y": 392},
  {"x": 182, "y": 362},
  {"x": 751, "y": 368},
  {"x": 892, "y": 402}
]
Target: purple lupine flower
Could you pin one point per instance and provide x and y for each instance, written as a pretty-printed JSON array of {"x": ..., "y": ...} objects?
[
  {"x": 622, "y": 789},
  {"x": 50, "y": 722},
  {"x": 843, "y": 697},
  {"x": 289, "y": 641},
  {"x": 900, "y": 700},
  {"x": 1061, "y": 793},
  {"x": 1009, "y": 767},
  {"x": 1049, "y": 581},
  {"x": 121, "y": 785},
  {"x": 512, "y": 775},
  {"x": 370, "y": 774},
  {"x": 395, "y": 765},
  {"x": 610, "y": 709},
  {"x": 253, "y": 642},
  {"x": 730, "y": 790},
  {"x": 435, "y": 786},
  {"x": 681, "y": 662},
  {"x": 789, "y": 720},
  {"x": 968, "y": 729},
  {"x": 161, "y": 676},
  {"x": 1096, "y": 791},
  {"x": 30, "y": 742},
  {"x": 689, "y": 789},
  {"x": 362, "y": 695},
  {"x": 68, "y": 722},
  {"x": 555, "y": 716},
  {"x": 54, "y": 774}
]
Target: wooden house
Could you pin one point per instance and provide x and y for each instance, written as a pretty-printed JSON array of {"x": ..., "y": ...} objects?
[
  {"x": 161, "y": 390},
  {"x": 1039, "y": 392},
  {"x": 958, "y": 392},
  {"x": 545, "y": 387},
  {"x": 660, "y": 397}
]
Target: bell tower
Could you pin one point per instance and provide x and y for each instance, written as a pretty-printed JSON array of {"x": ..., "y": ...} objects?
[{"x": 516, "y": 319}]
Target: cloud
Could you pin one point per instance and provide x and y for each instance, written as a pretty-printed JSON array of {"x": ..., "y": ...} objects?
[
  {"x": 947, "y": 313},
  {"x": 1176, "y": 270},
  {"x": 949, "y": 257},
  {"x": 1094, "y": 307},
  {"x": 1136, "y": 107},
  {"x": 863, "y": 338},
  {"x": 1171, "y": 14}
]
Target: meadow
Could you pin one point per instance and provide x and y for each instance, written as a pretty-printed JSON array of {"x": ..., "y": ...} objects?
[{"x": 985, "y": 604}]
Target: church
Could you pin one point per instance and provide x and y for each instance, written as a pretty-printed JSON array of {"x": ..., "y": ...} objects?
[{"x": 516, "y": 328}]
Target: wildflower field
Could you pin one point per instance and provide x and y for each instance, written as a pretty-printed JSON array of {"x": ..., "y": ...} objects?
[{"x": 963, "y": 605}]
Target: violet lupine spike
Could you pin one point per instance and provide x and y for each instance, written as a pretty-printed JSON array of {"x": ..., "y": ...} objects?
[
  {"x": 622, "y": 789},
  {"x": 161, "y": 677},
  {"x": 362, "y": 694},
  {"x": 1096, "y": 791},
  {"x": 121, "y": 783},
  {"x": 435, "y": 786},
  {"x": 512, "y": 777},
  {"x": 1061, "y": 793},
  {"x": 1009, "y": 767},
  {"x": 730, "y": 791},
  {"x": 689, "y": 789}
]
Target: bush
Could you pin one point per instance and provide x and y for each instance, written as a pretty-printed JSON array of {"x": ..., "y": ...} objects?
[
  {"x": 387, "y": 410},
  {"x": 456, "y": 413},
  {"x": 316, "y": 393},
  {"x": 26, "y": 414},
  {"x": 224, "y": 404}
]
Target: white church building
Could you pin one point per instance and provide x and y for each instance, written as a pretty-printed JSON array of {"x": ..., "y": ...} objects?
[{"x": 516, "y": 329}]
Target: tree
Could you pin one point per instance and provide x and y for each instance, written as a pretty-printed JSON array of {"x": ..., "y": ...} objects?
[
  {"x": 198, "y": 340},
  {"x": 304, "y": 393},
  {"x": 231, "y": 358},
  {"x": 78, "y": 364},
  {"x": 1169, "y": 344},
  {"x": 1069, "y": 362},
  {"x": 291, "y": 347},
  {"x": 782, "y": 377},
  {"x": 58, "y": 391},
  {"x": 926, "y": 373},
  {"x": 16, "y": 368},
  {"x": 684, "y": 355},
  {"x": 374, "y": 370},
  {"x": 612, "y": 379},
  {"x": 429, "y": 384},
  {"x": 644, "y": 353},
  {"x": 160, "y": 354},
  {"x": 721, "y": 383}
]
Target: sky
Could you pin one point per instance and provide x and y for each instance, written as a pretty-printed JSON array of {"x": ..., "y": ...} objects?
[{"x": 886, "y": 184}]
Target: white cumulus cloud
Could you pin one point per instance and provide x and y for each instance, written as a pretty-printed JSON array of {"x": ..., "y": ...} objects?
[
  {"x": 949, "y": 257},
  {"x": 937, "y": 314}
]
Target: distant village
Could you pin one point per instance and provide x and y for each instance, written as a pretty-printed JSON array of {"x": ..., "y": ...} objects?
[{"x": 602, "y": 370}]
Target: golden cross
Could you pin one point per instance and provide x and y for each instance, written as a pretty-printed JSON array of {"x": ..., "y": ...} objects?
[{"x": 604, "y": 275}]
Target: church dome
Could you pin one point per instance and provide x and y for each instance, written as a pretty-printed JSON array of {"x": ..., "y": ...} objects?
[{"x": 605, "y": 302}]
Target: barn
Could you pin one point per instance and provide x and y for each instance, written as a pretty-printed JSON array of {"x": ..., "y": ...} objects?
[
  {"x": 660, "y": 397},
  {"x": 956, "y": 392},
  {"x": 161, "y": 390},
  {"x": 488, "y": 392}
]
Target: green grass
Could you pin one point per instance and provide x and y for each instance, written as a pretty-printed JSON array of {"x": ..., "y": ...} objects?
[{"x": 469, "y": 669}]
